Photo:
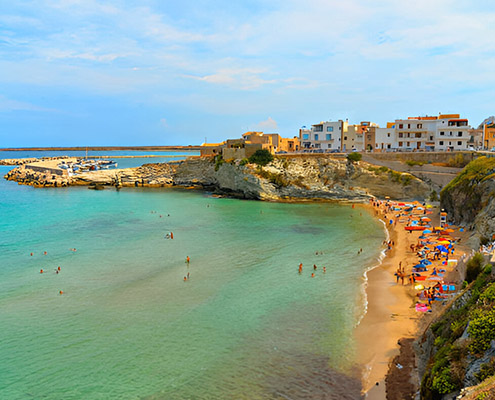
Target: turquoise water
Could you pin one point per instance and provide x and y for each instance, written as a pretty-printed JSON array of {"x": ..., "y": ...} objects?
[{"x": 245, "y": 326}]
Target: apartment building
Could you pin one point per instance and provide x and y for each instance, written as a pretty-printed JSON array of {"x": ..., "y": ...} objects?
[
  {"x": 326, "y": 135},
  {"x": 445, "y": 132},
  {"x": 381, "y": 139}
]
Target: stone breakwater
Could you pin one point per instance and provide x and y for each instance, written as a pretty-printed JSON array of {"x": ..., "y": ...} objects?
[
  {"x": 286, "y": 178},
  {"x": 23, "y": 161}
]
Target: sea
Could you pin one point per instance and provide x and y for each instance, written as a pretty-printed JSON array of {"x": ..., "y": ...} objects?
[{"x": 120, "y": 321}]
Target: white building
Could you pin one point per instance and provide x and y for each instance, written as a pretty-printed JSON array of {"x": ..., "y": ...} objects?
[
  {"x": 385, "y": 139},
  {"x": 445, "y": 132},
  {"x": 325, "y": 135},
  {"x": 452, "y": 133}
]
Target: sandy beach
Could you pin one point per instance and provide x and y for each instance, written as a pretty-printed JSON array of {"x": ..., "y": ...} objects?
[{"x": 391, "y": 314}]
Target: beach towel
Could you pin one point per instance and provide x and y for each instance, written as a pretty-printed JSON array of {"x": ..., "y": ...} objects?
[{"x": 421, "y": 307}]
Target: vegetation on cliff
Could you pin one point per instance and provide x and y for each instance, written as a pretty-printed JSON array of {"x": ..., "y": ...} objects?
[
  {"x": 471, "y": 191},
  {"x": 462, "y": 338}
]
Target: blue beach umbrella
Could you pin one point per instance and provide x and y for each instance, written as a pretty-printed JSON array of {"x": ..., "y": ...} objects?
[
  {"x": 442, "y": 249},
  {"x": 425, "y": 262},
  {"x": 427, "y": 231},
  {"x": 423, "y": 237}
]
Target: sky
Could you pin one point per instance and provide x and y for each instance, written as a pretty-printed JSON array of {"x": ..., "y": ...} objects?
[{"x": 150, "y": 72}]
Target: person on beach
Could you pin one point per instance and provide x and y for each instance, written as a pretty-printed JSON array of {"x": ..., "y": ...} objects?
[
  {"x": 300, "y": 268},
  {"x": 313, "y": 275},
  {"x": 324, "y": 270},
  {"x": 314, "y": 267},
  {"x": 188, "y": 259}
]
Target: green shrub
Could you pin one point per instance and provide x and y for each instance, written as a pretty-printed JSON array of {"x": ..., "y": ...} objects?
[
  {"x": 442, "y": 382},
  {"x": 486, "y": 370},
  {"x": 276, "y": 179},
  {"x": 481, "y": 331},
  {"x": 488, "y": 269},
  {"x": 488, "y": 296},
  {"x": 261, "y": 157},
  {"x": 244, "y": 161},
  {"x": 413, "y": 162},
  {"x": 473, "y": 267},
  {"x": 218, "y": 161},
  {"x": 434, "y": 196},
  {"x": 354, "y": 156},
  {"x": 458, "y": 161}
]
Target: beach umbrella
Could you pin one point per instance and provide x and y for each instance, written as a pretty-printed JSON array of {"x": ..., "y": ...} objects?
[
  {"x": 420, "y": 208},
  {"x": 435, "y": 278},
  {"x": 423, "y": 237},
  {"x": 449, "y": 230},
  {"x": 444, "y": 242},
  {"x": 429, "y": 206},
  {"x": 425, "y": 219},
  {"x": 441, "y": 239},
  {"x": 427, "y": 231},
  {"x": 425, "y": 262},
  {"x": 442, "y": 248}
]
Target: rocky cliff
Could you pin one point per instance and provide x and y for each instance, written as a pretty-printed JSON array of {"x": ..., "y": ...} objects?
[
  {"x": 470, "y": 197},
  {"x": 299, "y": 178},
  {"x": 285, "y": 178}
]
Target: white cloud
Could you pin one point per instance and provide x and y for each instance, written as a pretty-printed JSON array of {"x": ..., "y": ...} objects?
[{"x": 268, "y": 125}]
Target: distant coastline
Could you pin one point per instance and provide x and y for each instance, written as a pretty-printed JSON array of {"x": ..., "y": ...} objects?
[{"x": 105, "y": 148}]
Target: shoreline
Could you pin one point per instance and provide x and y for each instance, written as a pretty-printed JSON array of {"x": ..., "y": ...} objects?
[{"x": 390, "y": 314}]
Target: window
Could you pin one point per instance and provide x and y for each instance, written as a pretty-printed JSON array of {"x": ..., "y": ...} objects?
[
  {"x": 450, "y": 133},
  {"x": 408, "y": 126},
  {"x": 400, "y": 134},
  {"x": 408, "y": 135},
  {"x": 431, "y": 137},
  {"x": 389, "y": 146},
  {"x": 316, "y": 136},
  {"x": 329, "y": 136},
  {"x": 442, "y": 133},
  {"x": 388, "y": 134},
  {"x": 345, "y": 137},
  {"x": 340, "y": 128},
  {"x": 401, "y": 126},
  {"x": 440, "y": 143},
  {"x": 400, "y": 144},
  {"x": 420, "y": 126},
  {"x": 459, "y": 134},
  {"x": 329, "y": 128},
  {"x": 459, "y": 143},
  {"x": 418, "y": 135},
  {"x": 408, "y": 144},
  {"x": 305, "y": 136}
]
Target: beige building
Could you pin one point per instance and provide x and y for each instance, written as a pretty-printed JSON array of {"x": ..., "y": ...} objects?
[{"x": 249, "y": 144}]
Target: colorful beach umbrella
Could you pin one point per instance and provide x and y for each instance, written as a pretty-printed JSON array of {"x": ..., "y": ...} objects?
[
  {"x": 427, "y": 231},
  {"x": 425, "y": 219},
  {"x": 425, "y": 262}
]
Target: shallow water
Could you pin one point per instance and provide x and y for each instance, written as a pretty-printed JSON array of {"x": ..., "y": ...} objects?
[{"x": 245, "y": 326}]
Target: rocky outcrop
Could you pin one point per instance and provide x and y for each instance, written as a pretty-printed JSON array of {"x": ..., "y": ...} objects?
[
  {"x": 470, "y": 197},
  {"x": 287, "y": 178}
]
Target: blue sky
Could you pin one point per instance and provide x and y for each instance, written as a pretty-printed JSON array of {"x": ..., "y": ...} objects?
[{"x": 88, "y": 72}]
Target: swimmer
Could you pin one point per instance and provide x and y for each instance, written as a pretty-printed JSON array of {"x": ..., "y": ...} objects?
[
  {"x": 41, "y": 271},
  {"x": 61, "y": 292},
  {"x": 188, "y": 259},
  {"x": 58, "y": 269},
  {"x": 185, "y": 278},
  {"x": 44, "y": 253},
  {"x": 171, "y": 235},
  {"x": 31, "y": 254},
  {"x": 314, "y": 267},
  {"x": 312, "y": 275},
  {"x": 324, "y": 269},
  {"x": 188, "y": 275},
  {"x": 300, "y": 268}
]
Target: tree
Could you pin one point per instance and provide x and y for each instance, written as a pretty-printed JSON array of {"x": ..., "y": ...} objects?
[{"x": 261, "y": 157}]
